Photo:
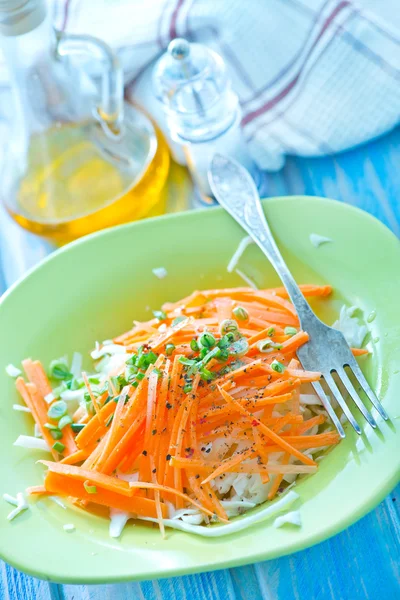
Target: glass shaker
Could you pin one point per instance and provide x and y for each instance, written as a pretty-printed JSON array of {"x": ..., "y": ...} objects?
[
  {"x": 202, "y": 111},
  {"x": 78, "y": 158}
]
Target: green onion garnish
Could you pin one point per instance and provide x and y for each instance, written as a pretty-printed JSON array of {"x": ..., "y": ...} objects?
[
  {"x": 277, "y": 366},
  {"x": 228, "y": 325},
  {"x": 64, "y": 421},
  {"x": 57, "y": 410},
  {"x": 178, "y": 320},
  {"x": 59, "y": 447},
  {"x": 160, "y": 315},
  {"x": 169, "y": 348},
  {"x": 290, "y": 330},
  {"x": 240, "y": 313},
  {"x": 187, "y": 388},
  {"x": 58, "y": 369},
  {"x": 271, "y": 331},
  {"x": 264, "y": 345},
  {"x": 91, "y": 489},
  {"x": 157, "y": 372},
  {"x": 56, "y": 434},
  {"x": 207, "y": 340},
  {"x": 194, "y": 345},
  {"x": 77, "y": 427}
]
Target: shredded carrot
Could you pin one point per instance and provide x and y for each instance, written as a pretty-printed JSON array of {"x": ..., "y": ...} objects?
[{"x": 187, "y": 412}]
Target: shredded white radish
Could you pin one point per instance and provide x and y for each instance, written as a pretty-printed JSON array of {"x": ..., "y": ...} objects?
[
  {"x": 21, "y": 408},
  {"x": 310, "y": 399},
  {"x": 317, "y": 239},
  {"x": 76, "y": 365},
  {"x": 21, "y": 506},
  {"x": 348, "y": 324},
  {"x": 246, "y": 241},
  {"x": 107, "y": 349},
  {"x": 291, "y": 518},
  {"x": 118, "y": 520},
  {"x": 69, "y": 527},
  {"x": 31, "y": 443},
  {"x": 10, "y": 499},
  {"x": 58, "y": 501},
  {"x": 247, "y": 279},
  {"x": 50, "y": 398},
  {"x": 70, "y": 395},
  {"x": 37, "y": 432},
  {"x": 13, "y": 371},
  {"x": 160, "y": 272},
  {"x": 238, "y": 525}
]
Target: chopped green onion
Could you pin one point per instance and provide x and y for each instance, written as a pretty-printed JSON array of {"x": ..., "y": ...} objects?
[
  {"x": 224, "y": 354},
  {"x": 187, "y": 388},
  {"x": 271, "y": 331},
  {"x": 157, "y": 372},
  {"x": 122, "y": 382},
  {"x": 64, "y": 421},
  {"x": 59, "y": 447},
  {"x": 206, "y": 375},
  {"x": 61, "y": 388},
  {"x": 57, "y": 410},
  {"x": 93, "y": 379},
  {"x": 75, "y": 384},
  {"x": 203, "y": 352},
  {"x": 160, "y": 315},
  {"x": 194, "y": 345},
  {"x": 290, "y": 330},
  {"x": 77, "y": 427},
  {"x": 240, "y": 313},
  {"x": 56, "y": 434},
  {"x": 178, "y": 320},
  {"x": 264, "y": 345},
  {"x": 144, "y": 360},
  {"x": 91, "y": 489},
  {"x": 188, "y": 362},
  {"x": 50, "y": 426},
  {"x": 140, "y": 376},
  {"x": 169, "y": 348},
  {"x": 277, "y": 366},
  {"x": 239, "y": 348},
  {"x": 207, "y": 340},
  {"x": 228, "y": 325},
  {"x": 58, "y": 369}
]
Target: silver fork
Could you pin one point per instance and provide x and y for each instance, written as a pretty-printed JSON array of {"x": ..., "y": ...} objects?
[{"x": 327, "y": 350}]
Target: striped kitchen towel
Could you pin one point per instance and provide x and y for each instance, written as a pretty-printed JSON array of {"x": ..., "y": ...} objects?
[{"x": 313, "y": 76}]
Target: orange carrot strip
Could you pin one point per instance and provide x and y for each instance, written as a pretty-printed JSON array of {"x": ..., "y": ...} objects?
[
  {"x": 294, "y": 342},
  {"x": 105, "y": 482},
  {"x": 36, "y": 489},
  {"x": 162, "y": 488},
  {"x": 229, "y": 463},
  {"x": 95, "y": 427},
  {"x": 78, "y": 456},
  {"x": 92, "y": 396},
  {"x": 65, "y": 486},
  {"x": 268, "y": 432},
  {"x": 359, "y": 351}
]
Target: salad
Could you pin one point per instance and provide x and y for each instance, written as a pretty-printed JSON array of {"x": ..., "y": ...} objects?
[{"x": 193, "y": 417}]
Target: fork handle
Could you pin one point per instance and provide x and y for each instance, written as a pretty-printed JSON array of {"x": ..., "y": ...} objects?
[{"x": 244, "y": 205}]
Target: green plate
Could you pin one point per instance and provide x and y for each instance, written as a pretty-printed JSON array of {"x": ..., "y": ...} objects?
[{"x": 93, "y": 288}]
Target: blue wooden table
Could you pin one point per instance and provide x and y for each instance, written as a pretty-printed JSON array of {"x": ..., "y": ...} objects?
[{"x": 361, "y": 563}]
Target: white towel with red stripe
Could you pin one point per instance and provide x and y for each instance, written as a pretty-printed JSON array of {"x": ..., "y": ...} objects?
[{"x": 313, "y": 76}]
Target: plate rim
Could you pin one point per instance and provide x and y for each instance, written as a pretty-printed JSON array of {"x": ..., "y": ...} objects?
[{"x": 62, "y": 575}]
